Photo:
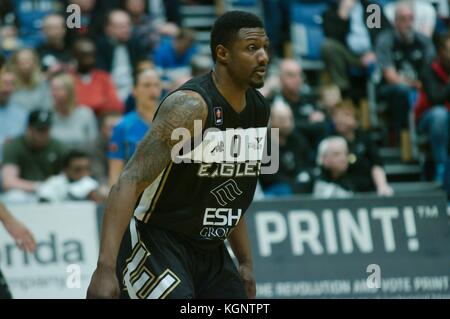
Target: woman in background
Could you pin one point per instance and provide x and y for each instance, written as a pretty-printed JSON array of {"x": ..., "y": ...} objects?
[
  {"x": 32, "y": 90},
  {"x": 75, "y": 126}
]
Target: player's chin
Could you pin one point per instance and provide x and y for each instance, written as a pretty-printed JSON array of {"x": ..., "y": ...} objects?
[{"x": 257, "y": 83}]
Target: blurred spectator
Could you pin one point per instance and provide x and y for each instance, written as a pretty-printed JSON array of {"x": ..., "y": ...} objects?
[
  {"x": 433, "y": 109},
  {"x": 329, "y": 97},
  {"x": 73, "y": 125},
  {"x": 73, "y": 183},
  {"x": 132, "y": 128},
  {"x": 94, "y": 87},
  {"x": 9, "y": 41},
  {"x": 31, "y": 158},
  {"x": 333, "y": 180},
  {"x": 366, "y": 166},
  {"x": 53, "y": 51},
  {"x": 294, "y": 154},
  {"x": 424, "y": 15},
  {"x": 22, "y": 236},
  {"x": 100, "y": 164},
  {"x": 177, "y": 82},
  {"x": 7, "y": 12},
  {"x": 145, "y": 26},
  {"x": 12, "y": 117},
  {"x": 141, "y": 65},
  {"x": 401, "y": 54},
  {"x": 29, "y": 15},
  {"x": 32, "y": 90},
  {"x": 349, "y": 40},
  {"x": 91, "y": 19},
  {"x": 200, "y": 64},
  {"x": 117, "y": 50},
  {"x": 309, "y": 120},
  {"x": 174, "y": 54}
]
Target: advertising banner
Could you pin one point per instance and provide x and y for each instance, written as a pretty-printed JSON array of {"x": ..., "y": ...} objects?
[
  {"x": 66, "y": 253},
  {"x": 371, "y": 247}
]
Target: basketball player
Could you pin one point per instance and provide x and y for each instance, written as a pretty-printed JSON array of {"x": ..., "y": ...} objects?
[{"x": 173, "y": 247}]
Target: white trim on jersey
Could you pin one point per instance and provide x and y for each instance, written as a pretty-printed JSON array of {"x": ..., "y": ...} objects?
[{"x": 147, "y": 197}]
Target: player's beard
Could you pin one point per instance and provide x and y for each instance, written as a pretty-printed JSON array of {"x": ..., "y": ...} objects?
[{"x": 256, "y": 84}]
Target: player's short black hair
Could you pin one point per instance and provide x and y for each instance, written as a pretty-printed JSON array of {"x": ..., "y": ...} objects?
[{"x": 228, "y": 25}]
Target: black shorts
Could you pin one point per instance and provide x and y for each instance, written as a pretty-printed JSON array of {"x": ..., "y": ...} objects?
[
  {"x": 4, "y": 290},
  {"x": 154, "y": 263}
]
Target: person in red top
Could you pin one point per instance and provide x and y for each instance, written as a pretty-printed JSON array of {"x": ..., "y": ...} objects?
[
  {"x": 432, "y": 112},
  {"x": 94, "y": 87}
]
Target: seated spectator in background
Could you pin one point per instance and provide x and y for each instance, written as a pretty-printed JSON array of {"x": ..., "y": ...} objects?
[
  {"x": 32, "y": 90},
  {"x": 365, "y": 164},
  {"x": 73, "y": 183},
  {"x": 100, "y": 163},
  {"x": 329, "y": 97},
  {"x": 75, "y": 126},
  {"x": 200, "y": 64},
  {"x": 145, "y": 27},
  {"x": 309, "y": 120},
  {"x": 9, "y": 39},
  {"x": 117, "y": 50},
  {"x": 132, "y": 128},
  {"x": 53, "y": 51},
  {"x": 29, "y": 15},
  {"x": 294, "y": 154},
  {"x": 174, "y": 55},
  {"x": 432, "y": 111},
  {"x": 349, "y": 40},
  {"x": 94, "y": 87},
  {"x": 91, "y": 19},
  {"x": 31, "y": 158},
  {"x": 130, "y": 102},
  {"x": 333, "y": 180},
  {"x": 401, "y": 53},
  {"x": 13, "y": 119},
  {"x": 424, "y": 15},
  {"x": 7, "y": 12}
]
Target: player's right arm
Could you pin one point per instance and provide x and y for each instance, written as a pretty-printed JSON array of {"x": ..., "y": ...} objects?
[{"x": 153, "y": 154}]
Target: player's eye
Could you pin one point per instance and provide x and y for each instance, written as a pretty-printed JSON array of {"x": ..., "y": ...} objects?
[{"x": 251, "y": 47}]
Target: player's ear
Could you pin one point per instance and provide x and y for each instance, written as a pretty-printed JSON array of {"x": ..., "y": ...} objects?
[{"x": 222, "y": 54}]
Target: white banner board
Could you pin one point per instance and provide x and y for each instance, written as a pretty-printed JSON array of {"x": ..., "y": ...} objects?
[{"x": 65, "y": 256}]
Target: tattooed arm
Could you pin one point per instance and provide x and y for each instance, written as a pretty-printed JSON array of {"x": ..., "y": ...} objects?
[{"x": 152, "y": 155}]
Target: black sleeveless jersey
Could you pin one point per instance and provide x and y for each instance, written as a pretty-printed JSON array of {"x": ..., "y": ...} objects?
[{"x": 203, "y": 199}]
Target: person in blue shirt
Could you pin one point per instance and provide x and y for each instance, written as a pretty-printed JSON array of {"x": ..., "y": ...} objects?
[
  {"x": 134, "y": 125},
  {"x": 177, "y": 52},
  {"x": 29, "y": 15}
]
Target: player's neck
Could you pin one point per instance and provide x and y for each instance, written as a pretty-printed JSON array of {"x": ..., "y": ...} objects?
[{"x": 233, "y": 93}]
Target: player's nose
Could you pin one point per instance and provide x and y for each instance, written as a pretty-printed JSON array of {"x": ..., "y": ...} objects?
[{"x": 262, "y": 57}]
